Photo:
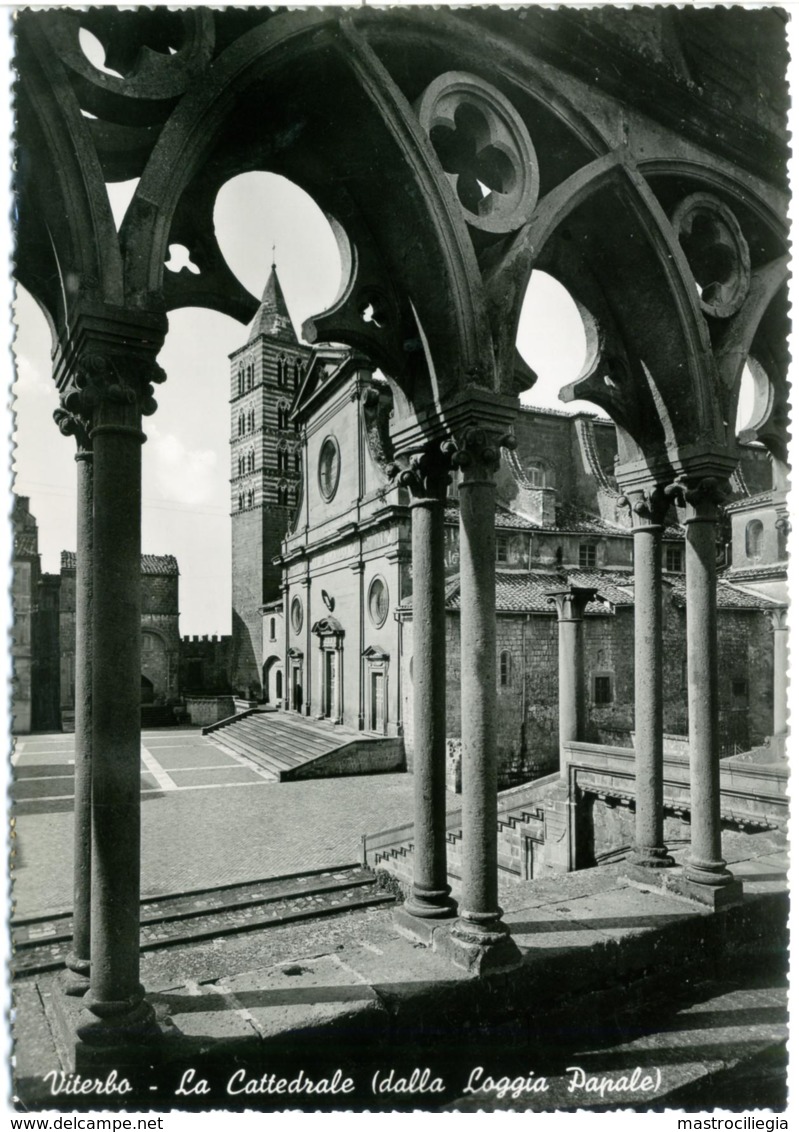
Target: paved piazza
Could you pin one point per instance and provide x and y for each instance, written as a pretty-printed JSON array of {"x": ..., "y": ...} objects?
[{"x": 208, "y": 818}]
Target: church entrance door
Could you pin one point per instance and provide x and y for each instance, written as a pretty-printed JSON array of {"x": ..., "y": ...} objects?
[
  {"x": 330, "y": 682},
  {"x": 377, "y": 702}
]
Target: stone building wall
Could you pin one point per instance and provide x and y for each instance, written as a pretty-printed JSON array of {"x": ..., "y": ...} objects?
[
  {"x": 527, "y": 707},
  {"x": 204, "y": 665}
]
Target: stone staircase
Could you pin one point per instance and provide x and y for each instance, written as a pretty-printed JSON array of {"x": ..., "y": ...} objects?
[
  {"x": 519, "y": 814},
  {"x": 289, "y": 747}
]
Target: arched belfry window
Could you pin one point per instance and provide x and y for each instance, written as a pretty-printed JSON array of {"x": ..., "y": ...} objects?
[
  {"x": 241, "y": 380},
  {"x": 297, "y": 461},
  {"x": 754, "y": 540},
  {"x": 281, "y": 370},
  {"x": 297, "y": 372},
  {"x": 241, "y": 424},
  {"x": 241, "y": 465},
  {"x": 539, "y": 474}
]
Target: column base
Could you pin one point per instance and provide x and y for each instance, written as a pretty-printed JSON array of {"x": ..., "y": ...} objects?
[
  {"x": 725, "y": 892},
  {"x": 430, "y": 904},
  {"x": 480, "y": 950},
  {"x": 123, "y": 1023},
  {"x": 415, "y": 928},
  {"x": 87, "y": 1043},
  {"x": 652, "y": 857},
  {"x": 75, "y": 979}
]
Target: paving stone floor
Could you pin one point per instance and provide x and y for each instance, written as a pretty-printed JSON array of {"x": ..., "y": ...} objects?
[{"x": 208, "y": 818}]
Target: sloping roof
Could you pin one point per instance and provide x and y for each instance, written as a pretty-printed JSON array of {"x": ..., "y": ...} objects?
[
  {"x": 504, "y": 518},
  {"x": 150, "y": 563},
  {"x": 527, "y": 592},
  {"x": 727, "y": 596},
  {"x": 762, "y": 499},
  {"x": 776, "y": 570},
  {"x": 273, "y": 318}
]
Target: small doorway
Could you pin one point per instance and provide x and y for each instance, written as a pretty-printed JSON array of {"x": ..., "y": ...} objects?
[
  {"x": 377, "y": 702},
  {"x": 330, "y": 682}
]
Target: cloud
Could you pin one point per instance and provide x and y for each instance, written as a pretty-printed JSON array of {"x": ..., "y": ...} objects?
[{"x": 176, "y": 472}]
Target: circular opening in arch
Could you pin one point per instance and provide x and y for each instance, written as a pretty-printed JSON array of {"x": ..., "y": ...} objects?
[
  {"x": 551, "y": 338},
  {"x": 263, "y": 218},
  {"x": 755, "y": 400}
]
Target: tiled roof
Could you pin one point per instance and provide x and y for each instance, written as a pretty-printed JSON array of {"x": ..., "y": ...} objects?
[
  {"x": 727, "y": 596},
  {"x": 150, "y": 563},
  {"x": 25, "y": 543},
  {"x": 756, "y": 573},
  {"x": 527, "y": 592},
  {"x": 504, "y": 518},
  {"x": 763, "y": 498}
]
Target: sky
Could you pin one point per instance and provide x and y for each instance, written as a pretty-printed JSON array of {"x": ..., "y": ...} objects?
[{"x": 186, "y": 507}]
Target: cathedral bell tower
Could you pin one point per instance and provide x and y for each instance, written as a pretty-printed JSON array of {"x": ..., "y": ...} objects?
[{"x": 264, "y": 475}]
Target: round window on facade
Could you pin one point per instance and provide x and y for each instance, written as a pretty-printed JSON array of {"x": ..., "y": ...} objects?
[
  {"x": 378, "y": 602},
  {"x": 296, "y": 615},
  {"x": 329, "y": 468}
]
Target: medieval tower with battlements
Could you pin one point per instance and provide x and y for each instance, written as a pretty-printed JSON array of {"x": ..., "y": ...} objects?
[{"x": 265, "y": 479}]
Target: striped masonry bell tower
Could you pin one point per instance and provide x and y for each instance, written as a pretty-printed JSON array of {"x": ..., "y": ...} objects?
[{"x": 265, "y": 476}]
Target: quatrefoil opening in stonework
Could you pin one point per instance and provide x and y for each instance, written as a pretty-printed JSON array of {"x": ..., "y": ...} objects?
[
  {"x": 717, "y": 253},
  {"x": 466, "y": 151}
]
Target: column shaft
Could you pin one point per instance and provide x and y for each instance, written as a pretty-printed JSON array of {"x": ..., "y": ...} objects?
[
  {"x": 649, "y": 848},
  {"x": 78, "y": 959},
  {"x": 430, "y": 896},
  {"x": 705, "y": 863},
  {"x": 116, "y": 995},
  {"x": 571, "y": 694},
  {"x": 479, "y": 905},
  {"x": 780, "y": 679}
]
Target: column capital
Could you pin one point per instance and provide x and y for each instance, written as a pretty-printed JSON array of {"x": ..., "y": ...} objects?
[
  {"x": 778, "y": 616},
  {"x": 106, "y": 369},
  {"x": 571, "y": 602},
  {"x": 425, "y": 473},
  {"x": 648, "y": 506},
  {"x": 73, "y": 424},
  {"x": 476, "y": 452},
  {"x": 702, "y": 496}
]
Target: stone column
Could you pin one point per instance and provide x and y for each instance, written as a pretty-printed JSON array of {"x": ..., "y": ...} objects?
[
  {"x": 115, "y": 383},
  {"x": 570, "y": 604},
  {"x": 480, "y": 923},
  {"x": 288, "y": 676},
  {"x": 649, "y": 507},
  {"x": 705, "y": 870},
  {"x": 78, "y": 959},
  {"x": 427, "y": 477},
  {"x": 779, "y": 623}
]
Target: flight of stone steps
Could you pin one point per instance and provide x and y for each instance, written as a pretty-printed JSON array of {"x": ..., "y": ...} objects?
[{"x": 285, "y": 745}]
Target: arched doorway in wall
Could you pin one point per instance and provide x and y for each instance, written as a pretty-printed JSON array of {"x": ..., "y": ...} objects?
[
  {"x": 154, "y": 667},
  {"x": 273, "y": 681}
]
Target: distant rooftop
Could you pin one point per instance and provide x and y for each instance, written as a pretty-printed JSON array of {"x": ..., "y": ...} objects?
[{"x": 150, "y": 563}]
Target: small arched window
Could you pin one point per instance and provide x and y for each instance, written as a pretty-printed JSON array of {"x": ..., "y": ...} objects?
[
  {"x": 281, "y": 370},
  {"x": 505, "y": 669},
  {"x": 241, "y": 381},
  {"x": 297, "y": 372},
  {"x": 539, "y": 474},
  {"x": 241, "y": 465},
  {"x": 241, "y": 424},
  {"x": 272, "y": 629},
  {"x": 241, "y": 503},
  {"x": 297, "y": 461},
  {"x": 754, "y": 540}
]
